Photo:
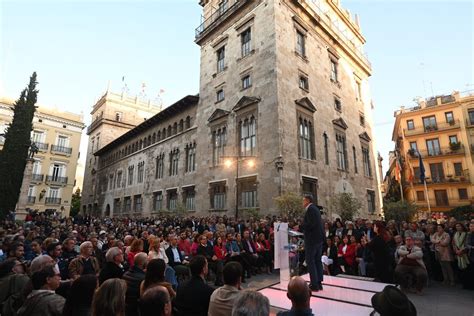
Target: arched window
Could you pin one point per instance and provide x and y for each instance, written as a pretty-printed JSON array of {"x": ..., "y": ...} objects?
[
  {"x": 153, "y": 139},
  {"x": 158, "y": 136},
  {"x": 175, "y": 128},
  {"x": 169, "y": 131},
  {"x": 141, "y": 144},
  {"x": 188, "y": 122},
  {"x": 163, "y": 135},
  {"x": 181, "y": 126}
]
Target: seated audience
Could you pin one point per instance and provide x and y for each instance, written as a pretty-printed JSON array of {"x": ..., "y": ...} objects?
[
  {"x": 329, "y": 258},
  {"x": 346, "y": 254},
  {"x": 193, "y": 296},
  {"x": 222, "y": 300},
  {"x": 155, "y": 275},
  {"x": 155, "y": 301},
  {"x": 109, "y": 299},
  {"x": 300, "y": 294},
  {"x": 411, "y": 264},
  {"x": 251, "y": 303},
  {"x": 392, "y": 302},
  {"x": 205, "y": 249},
  {"x": 133, "y": 279}
]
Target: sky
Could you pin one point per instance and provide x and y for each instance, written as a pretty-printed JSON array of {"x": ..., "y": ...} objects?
[{"x": 80, "y": 47}]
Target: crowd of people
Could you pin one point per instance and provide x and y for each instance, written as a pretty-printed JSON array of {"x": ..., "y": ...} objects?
[{"x": 196, "y": 266}]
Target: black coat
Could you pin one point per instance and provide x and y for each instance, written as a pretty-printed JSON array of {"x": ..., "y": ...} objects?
[
  {"x": 110, "y": 271},
  {"x": 206, "y": 251},
  {"x": 313, "y": 226},
  {"x": 133, "y": 277},
  {"x": 193, "y": 297},
  {"x": 169, "y": 254}
]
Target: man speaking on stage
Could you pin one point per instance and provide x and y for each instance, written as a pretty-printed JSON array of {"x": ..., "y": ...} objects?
[{"x": 313, "y": 242}]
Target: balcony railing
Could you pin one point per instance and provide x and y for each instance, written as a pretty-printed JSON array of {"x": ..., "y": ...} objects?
[
  {"x": 56, "y": 180},
  {"x": 61, "y": 149},
  {"x": 221, "y": 13},
  {"x": 442, "y": 180},
  {"x": 42, "y": 146},
  {"x": 31, "y": 199},
  {"x": 52, "y": 201},
  {"x": 37, "y": 177},
  {"x": 433, "y": 128},
  {"x": 450, "y": 203},
  {"x": 444, "y": 151}
]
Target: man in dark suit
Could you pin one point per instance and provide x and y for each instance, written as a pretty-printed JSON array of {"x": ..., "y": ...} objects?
[
  {"x": 313, "y": 240},
  {"x": 175, "y": 258},
  {"x": 193, "y": 296}
]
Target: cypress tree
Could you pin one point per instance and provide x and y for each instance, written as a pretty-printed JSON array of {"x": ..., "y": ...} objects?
[{"x": 14, "y": 154}]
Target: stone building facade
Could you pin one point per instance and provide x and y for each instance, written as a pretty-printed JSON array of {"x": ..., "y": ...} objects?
[{"x": 284, "y": 105}]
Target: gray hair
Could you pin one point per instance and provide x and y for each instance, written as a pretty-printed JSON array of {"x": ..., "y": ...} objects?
[
  {"x": 84, "y": 245},
  {"x": 40, "y": 262},
  {"x": 111, "y": 253},
  {"x": 251, "y": 303}
]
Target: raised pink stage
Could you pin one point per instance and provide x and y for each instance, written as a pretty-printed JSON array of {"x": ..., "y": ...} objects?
[{"x": 340, "y": 296}]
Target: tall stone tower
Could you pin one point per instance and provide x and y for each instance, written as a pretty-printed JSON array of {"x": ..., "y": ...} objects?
[
  {"x": 112, "y": 116},
  {"x": 286, "y": 82}
]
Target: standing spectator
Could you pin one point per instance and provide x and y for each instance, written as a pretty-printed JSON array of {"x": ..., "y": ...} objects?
[
  {"x": 133, "y": 278},
  {"x": 442, "y": 243},
  {"x": 85, "y": 263},
  {"x": 459, "y": 247},
  {"x": 251, "y": 303},
  {"x": 81, "y": 293},
  {"x": 12, "y": 282},
  {"x": 381, "y": 254},
  {"x": 222, "y": 300},
  {"x": 113, "y": 267},
  {"x": 109, "y": 299},
  {"x": 414, "y": 232},
  {"x": 67, "y": 255},
  {"x": 193, "y": 296},
  {"x": 300, "y": 296},
  {"x": 145, "y": 241},
  {"x": 411, "y": 264},
  {"x": 35, "y": 251},
  {"x": 468, "y": 281},
  {"x": 43, "y": 301}
]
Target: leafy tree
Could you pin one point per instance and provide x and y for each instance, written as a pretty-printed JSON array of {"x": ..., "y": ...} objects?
[
  {"x": 75, "y": 203},
  {"x": 290, "y": 205},
  {"x": 399, "y": 211},
  {"x": 462, "y": 213},
  {"x": 346, "y": 205},
  {"x": 15, "y": 150}
]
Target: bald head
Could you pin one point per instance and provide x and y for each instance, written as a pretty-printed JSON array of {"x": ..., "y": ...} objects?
[
  {"x": 140, "y": 259},
  {"x": 299, "y": 292},
  {"x": 155, "y": 301}
]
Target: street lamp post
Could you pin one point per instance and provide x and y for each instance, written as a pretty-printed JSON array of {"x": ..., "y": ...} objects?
[{"x": 228, "y": 164}]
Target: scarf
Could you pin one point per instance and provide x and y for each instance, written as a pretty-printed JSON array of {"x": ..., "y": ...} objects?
[{"x": 459, "y": 243}]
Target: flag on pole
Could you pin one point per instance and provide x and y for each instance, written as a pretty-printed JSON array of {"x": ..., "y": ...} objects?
[
  {"x": 422, "y": 168},
  {"x": 398, "y": 168}
]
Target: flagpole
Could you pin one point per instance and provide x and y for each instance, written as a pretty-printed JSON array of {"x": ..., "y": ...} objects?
[
  {"x": 427, "y": 198},
  {"x": 398, "y": 166}
]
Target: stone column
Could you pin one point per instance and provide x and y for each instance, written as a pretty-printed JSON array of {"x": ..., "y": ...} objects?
[{"x": 21, "y": 212}]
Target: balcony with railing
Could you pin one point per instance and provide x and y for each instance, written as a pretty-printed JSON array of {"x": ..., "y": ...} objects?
[
  {"x": 226, "y": 8},
  {"x": 464, "y": 179},
  {"x": 454, "y": 124},
  {"x": 61, "y": 150},
  {"x": 449, "y": 203},
  {"x": 31, "y": 199},
  {"x": 52, "y": 201},
  {"x": 37, "y": 178},
  {"x": 438, "y": 152},
  {"x": 42, "y": 146},
  {"x": 56, "y": 180}
]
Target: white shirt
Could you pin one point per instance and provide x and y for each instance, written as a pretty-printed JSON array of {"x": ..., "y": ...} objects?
[{"x": 176, "y": 254}]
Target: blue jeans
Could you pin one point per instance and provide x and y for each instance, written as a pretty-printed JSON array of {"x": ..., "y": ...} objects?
[{"x": 313, "y": 261}]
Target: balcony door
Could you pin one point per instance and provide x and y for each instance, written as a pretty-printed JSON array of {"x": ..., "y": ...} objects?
[
  {"x": 441, "y": 197},
  {"x": 38, "y": 137},
  {"x": 53, "y": 193},
  {"x": 437, "y": 172},
  {"x": 429, "y": 123},
  {"x": 37, "y": 167},
  {"x": 433, "y": 147},
  {"x": 57, "y": 172},
  {"x": 63, "y": 141}
]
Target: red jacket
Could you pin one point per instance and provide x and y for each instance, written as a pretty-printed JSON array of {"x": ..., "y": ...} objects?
[
  {"x": 220, "y": 252},
  {"x": 349, "y": 256}
]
